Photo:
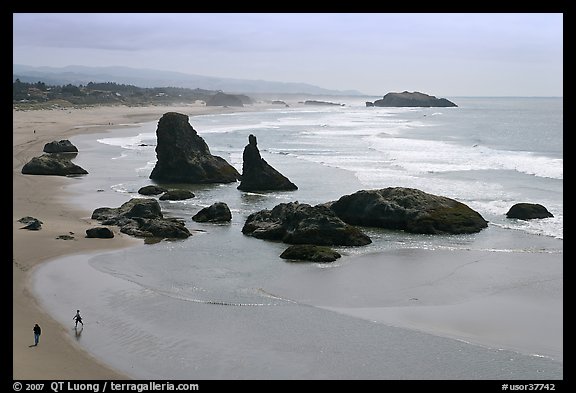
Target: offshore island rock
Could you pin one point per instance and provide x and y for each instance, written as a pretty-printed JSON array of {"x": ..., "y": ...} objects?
[
  {"x": 408, "y": 209},
  {"x": 258, "y": 175},
  {"x": 300, "y": 223},
  {"x": 184, "y": 157},
  {"x": 414, "y": 99}
]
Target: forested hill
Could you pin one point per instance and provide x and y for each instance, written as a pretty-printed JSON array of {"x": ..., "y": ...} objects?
[{"x": 108, "y": 93}]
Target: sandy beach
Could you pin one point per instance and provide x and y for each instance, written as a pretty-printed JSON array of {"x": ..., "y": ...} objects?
[{"x": 57, "y": 356}]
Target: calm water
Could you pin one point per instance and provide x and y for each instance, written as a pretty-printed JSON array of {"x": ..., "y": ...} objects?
[{"x": 488, "y": 153}]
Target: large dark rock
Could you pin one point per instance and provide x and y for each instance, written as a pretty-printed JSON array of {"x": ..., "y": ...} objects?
[
  {"x": 299, "y": 223},
  {"x": 63, "y": 146},
  {"x": 184, "y": 157},
  {"x": 408, "y": 209},
  {"x": 217, "y": 212},
  {"x": 258, "y": 175},
  {"x": 52, "y": 164},
  {"x": 142, "y": 217},
  {"x": 528, "y": 211},
  {"x": 310, "y": 253},
  {"x": 159, "y": 228},
  {"x": 415, "y": 99},
  {"x": 135, "y": 207},
  {"x": 223, "y": 99}
]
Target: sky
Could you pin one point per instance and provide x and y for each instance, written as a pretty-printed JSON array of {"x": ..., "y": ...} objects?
[{"x": 442, "y": 54}]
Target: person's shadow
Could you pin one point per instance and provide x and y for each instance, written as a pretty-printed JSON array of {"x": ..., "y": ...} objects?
[{"x": 78, "y": 332}]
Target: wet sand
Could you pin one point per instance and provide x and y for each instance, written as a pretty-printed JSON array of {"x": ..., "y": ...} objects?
[
  {"x": 503, "y": 300},
  {"x": 323, "y": 331}
]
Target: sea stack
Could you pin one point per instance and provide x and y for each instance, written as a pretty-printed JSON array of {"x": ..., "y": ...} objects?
[
  {"x": 184, "y": 157},
  {"x": 258, "y": 175}
]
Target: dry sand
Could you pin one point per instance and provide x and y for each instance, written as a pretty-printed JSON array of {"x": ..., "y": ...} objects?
[{"x": 57, "y": 356}]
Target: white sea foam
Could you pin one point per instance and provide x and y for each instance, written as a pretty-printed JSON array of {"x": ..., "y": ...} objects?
[
  {"x": 129, "y": 142},
  {"x": 420, "y": 156},
  {"x": 410, "y": 147}
]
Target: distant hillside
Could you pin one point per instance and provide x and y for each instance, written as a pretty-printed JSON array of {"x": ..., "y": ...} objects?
[
  {"x": 26, "y": 95},
  {"x": 148, "y": 78}
]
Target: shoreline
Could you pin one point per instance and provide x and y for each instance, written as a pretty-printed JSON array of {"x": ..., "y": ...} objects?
[
  {"x": 57, "y": 356},
  {"x": 48, "y": 200}
]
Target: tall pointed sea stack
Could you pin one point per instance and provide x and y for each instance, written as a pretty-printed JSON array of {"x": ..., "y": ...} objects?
[
  {"x": 258, "y": 175},
  {"x": 184, "y": 157}
]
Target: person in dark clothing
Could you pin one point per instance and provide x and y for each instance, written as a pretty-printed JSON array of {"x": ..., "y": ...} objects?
[
  {"x": 37, "y": 332},
  {"x": 78, "y": 318}
]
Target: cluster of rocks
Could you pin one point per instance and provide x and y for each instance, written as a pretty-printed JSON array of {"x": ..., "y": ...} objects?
[
  {"x": 396, "y": 208},
  {"x": 142, "y": 217},
  {"x": 31, "y": 223},
  {"x": 334, "y": 223},
  {"x": 300, "y": 223},
  {"x": 56, "y": 161},
  {"x": 184, "y": 157}
]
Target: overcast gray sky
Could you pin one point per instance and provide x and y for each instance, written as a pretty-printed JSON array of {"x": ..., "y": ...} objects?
[{"x": 470, "y": 54}]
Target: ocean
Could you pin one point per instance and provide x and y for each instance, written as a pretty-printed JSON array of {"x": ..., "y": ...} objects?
[{"x": 222, "y": 305}]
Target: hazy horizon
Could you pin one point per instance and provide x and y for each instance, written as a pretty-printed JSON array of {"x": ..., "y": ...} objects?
[{"x": 446, "y": 55}]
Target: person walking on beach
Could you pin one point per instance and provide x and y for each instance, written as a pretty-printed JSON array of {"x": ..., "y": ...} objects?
[
  {"x": 37, "y": 332},
  {"x": 78, "y": 318}
]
